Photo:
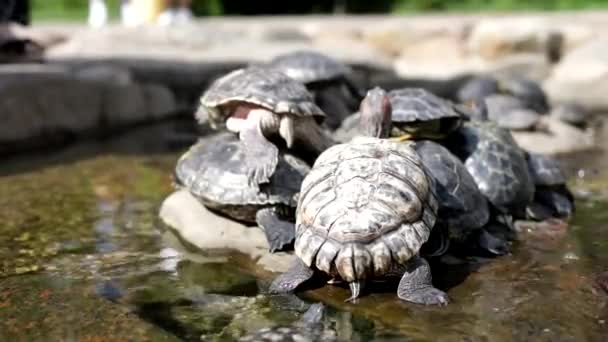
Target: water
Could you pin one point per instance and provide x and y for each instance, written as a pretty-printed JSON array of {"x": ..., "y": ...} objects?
[{"x": 82, "y": 258}]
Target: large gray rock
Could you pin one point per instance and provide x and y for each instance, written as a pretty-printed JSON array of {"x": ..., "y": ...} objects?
[
  {"x": 214, "y": 234},
  {"x": 582, "y": 77},
  {"x": 42, "y": 105},
  {"x": 555, "y": 137},
  {"x": 494, "y": 38}
]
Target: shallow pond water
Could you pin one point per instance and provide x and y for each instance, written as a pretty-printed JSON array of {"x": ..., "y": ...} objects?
[{"x": 82, "y": 257}]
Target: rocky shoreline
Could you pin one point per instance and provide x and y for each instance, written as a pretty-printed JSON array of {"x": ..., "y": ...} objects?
[{"x": 115, "y": 77}]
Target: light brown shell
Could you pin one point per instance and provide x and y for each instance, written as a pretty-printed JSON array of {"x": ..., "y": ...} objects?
[{"x": 364, "y": 206}]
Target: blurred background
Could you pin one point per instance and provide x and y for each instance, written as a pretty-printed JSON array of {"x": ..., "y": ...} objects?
[
  {"x": 97, "y": 103},
  {"x": 77, "y": 9}
]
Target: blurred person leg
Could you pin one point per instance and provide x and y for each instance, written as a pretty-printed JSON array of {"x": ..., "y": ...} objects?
[
  {"x": 169, "y": 15},
  {"x": 98, "y": 13},
  {"x": 14, "y": 49},
  {"x": 184, "y": 11}
]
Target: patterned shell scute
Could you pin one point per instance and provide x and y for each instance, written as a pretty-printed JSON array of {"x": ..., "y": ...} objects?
[
  {"x": 417, "y": 104},
  {"x": 264, "y": 87},
  {"x": 309, "y": 66},
  {"x": 213, "y": 171},
  {"x": 545, "y": 170},
  {"x": 364, "y": 190},
  {"x": 497, "y": 164},
  {"x": 461, "y": 205}
]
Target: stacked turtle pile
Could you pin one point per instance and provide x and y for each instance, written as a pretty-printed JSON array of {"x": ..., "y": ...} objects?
[{"x": 416, "y": 175}]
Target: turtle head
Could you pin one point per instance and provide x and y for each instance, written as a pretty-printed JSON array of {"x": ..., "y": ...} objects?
[
  {"x": 376, "y": 114},
  {"x": 211, "y": 115}
]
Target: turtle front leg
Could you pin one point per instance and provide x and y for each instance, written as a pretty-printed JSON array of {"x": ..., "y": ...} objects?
[
  {"x": 416, "y": 284},
  {"x": 297, "y": 274},
  {"x": 311, "y": 136},
  {"x": 279, "y": 233},
  {"x": 262, "y": 156}
]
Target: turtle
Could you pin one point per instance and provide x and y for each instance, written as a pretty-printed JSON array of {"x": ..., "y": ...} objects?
[
  {"x": 308, "y": 328},
  {"x": 552, "y": 197},
  {"x": 477, "y": 88},
  {"x": 364, "y": 211},
  {"x": 571, "y": 113},
  {"x": 212, "y": 171},
  {"x": 416, "y": 114},
  {"x": 528, "y": 91},
  {"x": 510, "y": 112},
  {"x": 326, "y": 78},
  {"x": 260, "y": 103},
  {"x": 463, "y": 210},
  {"x": 498, "y": 165}
]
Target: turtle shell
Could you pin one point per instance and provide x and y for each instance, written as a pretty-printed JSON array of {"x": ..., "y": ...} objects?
[
  {"x": 264, "y": 87},
  {"x": 496, "y": 163},
  {"x": 545, "y": 171},
  {"x": 417, "y": 104},
  {"x": 309, "y": 66},
  {"x": 364, "y": 206},
  {"x": 461, "y": 205},
  {"x": 529, "y": 92},
  {"x": 213, "y": 171},
  {"x": 418, "y": 107},
  {"x": 477, "y": 89}
]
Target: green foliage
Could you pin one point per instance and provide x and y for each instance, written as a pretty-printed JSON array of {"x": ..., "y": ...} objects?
[{"x": 77, "y": 9}]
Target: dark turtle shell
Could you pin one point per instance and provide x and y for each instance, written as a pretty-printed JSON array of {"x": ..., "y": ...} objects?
[
  {"x": 510, "y": 112},
  {"x": 213, "y": 171},
  {"x": 309, "y": 66},
  {"x": 462, "y": 207},
  {"x": 527, "y": 91},
  {"x": 420, "y": 113},
  {"x": 497, "y": 164},
  {"x": 477, "y": 88},
  {"x": 264, "y": 87},
  {"x": 545, "y": 171}
]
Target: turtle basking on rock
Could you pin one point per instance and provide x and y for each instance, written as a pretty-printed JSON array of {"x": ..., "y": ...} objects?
[
  {"x": 552, "y": 197},
  {"x": 364, "y": 211},
  {"x": 498, "y": 165},
  {"x": 213, "y": 171},
  {"x": 259, "y": 104},
  {"x": 326, "y": 78},
  {"x": 416, "y": 114},
  {"x": 463, "y": 209}
]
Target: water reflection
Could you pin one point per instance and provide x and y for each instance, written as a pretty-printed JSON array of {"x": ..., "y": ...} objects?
[{"x": 108, "y": 256}]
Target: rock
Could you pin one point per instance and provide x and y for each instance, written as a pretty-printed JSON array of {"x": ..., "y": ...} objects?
[
  {"x": 123, "y": 105},
  {"x": 533, "y": 66},
  {"x": 494, "y": 38},
  {"x": 519, "y": 120},
  {"x": 44, "y": 105},
  {"x": 105, "y": 73},
  {"x": 570, "y": 113},
  {"x": 582, "y": 77},
  {"x": 213, "y": 234},
  {"x": 555, "y": 137},
  {"x": 159, "y": 100}
]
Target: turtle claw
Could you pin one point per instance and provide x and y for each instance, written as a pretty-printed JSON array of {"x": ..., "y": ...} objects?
[
  {"x": 402, "y": 138},
  {"x": 428, "y": 296},
  {"x": 262, "y": 160}
]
